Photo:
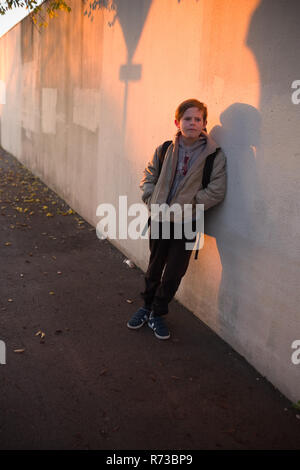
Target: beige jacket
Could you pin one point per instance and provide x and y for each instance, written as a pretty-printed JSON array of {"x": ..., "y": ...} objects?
[{"x": 156, "y": 187}]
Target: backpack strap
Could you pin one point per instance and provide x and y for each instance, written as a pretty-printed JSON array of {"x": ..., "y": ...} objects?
[
  {"x": 163, "y": 153},
  {"x": 208, "y": 167}
]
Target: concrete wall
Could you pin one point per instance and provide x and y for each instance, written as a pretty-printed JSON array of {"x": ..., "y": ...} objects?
[{"x": 87, "y": 103}]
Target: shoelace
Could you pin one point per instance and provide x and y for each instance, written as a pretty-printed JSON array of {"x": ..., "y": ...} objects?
[{"x": 140, "y": 314}]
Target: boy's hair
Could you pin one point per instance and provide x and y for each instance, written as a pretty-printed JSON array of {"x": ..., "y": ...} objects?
[{"x": 191, "y": 103}]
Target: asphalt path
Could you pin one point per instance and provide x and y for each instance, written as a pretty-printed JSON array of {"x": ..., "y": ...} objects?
[{"x": 76, "y": 377}]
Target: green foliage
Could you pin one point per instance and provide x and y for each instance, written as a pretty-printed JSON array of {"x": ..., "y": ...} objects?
[
  {"x": 11, "y": 4},
  {"x": 297, "y": 405},
  {"x": 37, "y": 12}
]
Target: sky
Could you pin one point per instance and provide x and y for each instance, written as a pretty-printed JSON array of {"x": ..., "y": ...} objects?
[{"x": 11, "y": 18}]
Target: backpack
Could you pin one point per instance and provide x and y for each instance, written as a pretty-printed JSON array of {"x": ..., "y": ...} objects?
[{"x": 209, "y": 163}]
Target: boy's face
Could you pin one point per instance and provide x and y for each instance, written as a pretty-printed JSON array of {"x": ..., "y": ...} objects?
[{"x": 191, "y": 123}]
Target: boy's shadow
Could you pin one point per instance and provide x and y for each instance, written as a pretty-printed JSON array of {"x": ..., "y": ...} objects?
[{"x": 235, "y": 223}]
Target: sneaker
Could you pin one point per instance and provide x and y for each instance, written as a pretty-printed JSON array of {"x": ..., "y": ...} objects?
[
  {"x": 139, "y": 318},
  {"x": 159, "y": 327}
]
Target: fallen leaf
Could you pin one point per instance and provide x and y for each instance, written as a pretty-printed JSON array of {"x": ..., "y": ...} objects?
[
  {"x": 19, "y": 350},
  {"x": 41, "y": 334},
  {"x": 51, "y": 292},
  {"x": 69, "y": 212}
]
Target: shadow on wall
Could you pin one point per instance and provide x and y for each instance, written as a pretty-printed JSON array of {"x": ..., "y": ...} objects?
[
  {"x": 132, "y": 26},
  {"x": 239, "y": 136},
  {"x": 274, "y": 38},
  {"x": 262, "y": 169}
]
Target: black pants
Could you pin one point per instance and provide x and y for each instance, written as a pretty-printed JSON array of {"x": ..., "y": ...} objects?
[{"x": 169, "y": 260}]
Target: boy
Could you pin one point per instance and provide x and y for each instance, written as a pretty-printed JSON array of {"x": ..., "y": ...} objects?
[{"x": 178, "y": 180}]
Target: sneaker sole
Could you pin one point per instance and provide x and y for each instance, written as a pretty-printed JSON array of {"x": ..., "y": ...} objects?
[{"x": 136, "y": 327}]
